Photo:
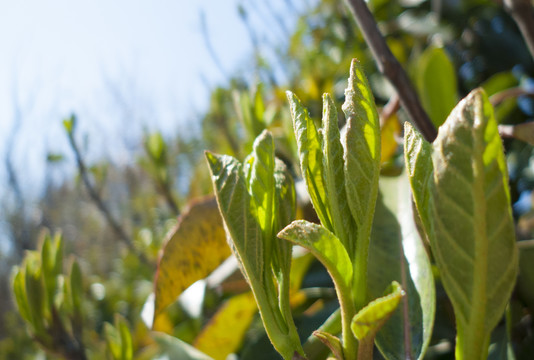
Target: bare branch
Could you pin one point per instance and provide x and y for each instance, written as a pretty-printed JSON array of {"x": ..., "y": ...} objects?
[
  {"x": 523, "y": 14},
  {"x": 390, "y": 67},
  {"x": 96, "y": 198},
  {"x": 209, "y": 46},
  {"x": 499, "y": 97}
]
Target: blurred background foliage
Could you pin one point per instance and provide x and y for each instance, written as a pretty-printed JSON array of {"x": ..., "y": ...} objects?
[{"x": 447, "y": 46}]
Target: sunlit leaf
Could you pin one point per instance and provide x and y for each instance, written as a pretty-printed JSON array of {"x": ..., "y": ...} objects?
[
  {"x": 343, "y": 225},
  {"x": 195, "y": 247},
  {"x": 229, "y": 182},
  {"x": 126, "y": 338},
  {"x": 372, "y": 317},
  {"x": 236, "y": 314},
  {"x": 368, "y": 321},
  {"x": 311, "y": 158},
  {"x": 19, "y": 290},
  {"x": 470, "y": 223},
  {"x": 437, "y": 84},
  {"x": 362, "y": 151},
  {"x": 235, "y": 207},
  {"x": 261, "y": 187},
  {"x": 397, "y": 253},
  {"x": 325, "y": 246},
  {"x": 362, "y": 167},
  {"x": 418, "y": 158},
  {"x": 283, "y": 213},
  {"x": 113, "y": 340}
]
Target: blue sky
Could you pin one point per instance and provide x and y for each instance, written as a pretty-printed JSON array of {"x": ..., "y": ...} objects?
[{"x": 119, "y": 65}]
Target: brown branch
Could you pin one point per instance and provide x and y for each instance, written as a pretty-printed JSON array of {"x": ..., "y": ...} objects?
[
  {"x": 499, "y": 97},
  {"x": 391, "y": 107},
  {"x": 523, "y": 14},
  {"x": 391, "y": 68},
  {"x": 97, "y": 200}
]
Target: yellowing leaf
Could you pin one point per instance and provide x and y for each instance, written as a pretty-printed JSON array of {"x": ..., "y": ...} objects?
[
  {"x": 195, "y": 247},
  {"x": 389, "y": 131},
  {"x": 216, "y": 340}
]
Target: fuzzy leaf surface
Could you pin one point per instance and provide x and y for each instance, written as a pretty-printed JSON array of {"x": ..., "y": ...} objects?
[
  {"x": 311, "y": 158},
  {"x": 325, "y": 246},
  {"x": 397, "y": 253},
  {"x": 261, "y": 185},
  {"x": 235, "y": 207},
  {"x": 362, "y": 151},
  {"x": 371, "y": 318},
  {"x": 470, "y": 223},
  {"x": 335, "y": 178}
]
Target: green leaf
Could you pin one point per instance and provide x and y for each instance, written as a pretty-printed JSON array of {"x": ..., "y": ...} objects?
[
  {"x": 362, "y": 167},
  {"x": 343, "y": 225},
  {"x": 437, "y": 84},
  {"x": 48, "y": 261},
  {"x": 35, "y": 294},
  {"x": 156, "y": 147},
  {"x": 470, "y": 223},
  {"x": 325, "y": 246},
  {"x": 69, "y": 124},
  {"x": 362, "y": 148},
  {"x": 193, "y": 249},
  {"x": 371, "y": 318},
  {"x": 126, "y": 338},
  {"x": 311, "y": 158},
  {"x": 234, "y": 204},
  {"x": 174, "y": 348},
  {"x": 313, "y": 347},
  {"x": 329, "y": 250},
  {"x": 243, "y": 229},
  {"x": 283, "y": 213},
  {"x": 418, "y": 159},
  {"x": 333, "y": 343},
  {"x": 19, "y": 290},
  {"x": 261, "y": 187},
  {"x": 113, "y": 341},
  {"x": 397, "y": 253},
  {"x": 259, "y": 108}
]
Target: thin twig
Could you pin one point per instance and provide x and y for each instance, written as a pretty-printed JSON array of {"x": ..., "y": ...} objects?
[
  {"x": 391, "y": 107},
  {"x": 499, "y": 97},
  {"x": 390, "y": 67},
  {"x": 523, "y": 14},
  {"x": 209, "y": 46},
  {"x": 95, "y": 197}
]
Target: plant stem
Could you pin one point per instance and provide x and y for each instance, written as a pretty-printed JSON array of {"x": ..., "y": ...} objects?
[
  {"x": 523, "y": 14},
  {"x": 469, "y": 349},
  {"x": 390, "y": 67}
]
